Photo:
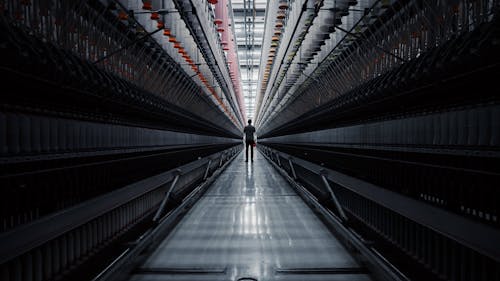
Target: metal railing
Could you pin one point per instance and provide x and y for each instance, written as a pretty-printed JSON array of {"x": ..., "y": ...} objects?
[
  {"x": 447, "y": 245},
  {"x": 48, "y": 164},
  {"x": 448, "y": 159},
  {"x": 37, "y": 252},
  {"x": 125, "y": 262}
]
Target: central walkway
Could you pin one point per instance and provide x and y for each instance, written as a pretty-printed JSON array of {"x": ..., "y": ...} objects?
[{"x": 249, "y": 224}]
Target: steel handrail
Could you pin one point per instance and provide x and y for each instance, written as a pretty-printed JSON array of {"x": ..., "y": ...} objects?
[
  {"x": 483, "y": 239},
  {"x": 21, "y": 240},
  {"x": 123, "y": 264},
  {"x": 376, "y": 264}
]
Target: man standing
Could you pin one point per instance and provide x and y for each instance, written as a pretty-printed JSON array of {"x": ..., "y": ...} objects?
[{"x": 249, "y": 138}]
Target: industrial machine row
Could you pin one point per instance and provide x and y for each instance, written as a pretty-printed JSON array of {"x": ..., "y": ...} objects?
[{"x": 121, "y": 122}]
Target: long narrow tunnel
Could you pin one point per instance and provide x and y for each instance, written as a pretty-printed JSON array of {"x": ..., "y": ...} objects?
[{"x": 249, "y": 140}]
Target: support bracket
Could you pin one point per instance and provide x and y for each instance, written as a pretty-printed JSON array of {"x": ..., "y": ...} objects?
[
  {"x": 157, "y": 216},
  {"x": 342, "y": 214}
]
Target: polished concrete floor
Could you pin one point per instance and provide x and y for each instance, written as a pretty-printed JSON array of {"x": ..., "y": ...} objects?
[{"x": 250, "y": 224}]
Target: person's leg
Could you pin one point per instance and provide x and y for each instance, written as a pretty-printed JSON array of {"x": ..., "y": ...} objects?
[
  {"x": 246, "y": 151},
  {"x": 251, "y": 151}
]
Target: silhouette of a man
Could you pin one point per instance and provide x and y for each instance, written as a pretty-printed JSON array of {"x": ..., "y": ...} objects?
[{"x": 249, "y": 138}]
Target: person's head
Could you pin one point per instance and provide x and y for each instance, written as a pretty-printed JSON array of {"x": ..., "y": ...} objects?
[{"x": 249, "y": 121}]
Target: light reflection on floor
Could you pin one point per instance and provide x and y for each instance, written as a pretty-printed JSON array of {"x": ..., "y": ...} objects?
[{"x": 249, "y": 224}]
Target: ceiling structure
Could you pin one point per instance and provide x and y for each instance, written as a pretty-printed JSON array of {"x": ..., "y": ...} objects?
[{"x": 249, "y": 20}]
